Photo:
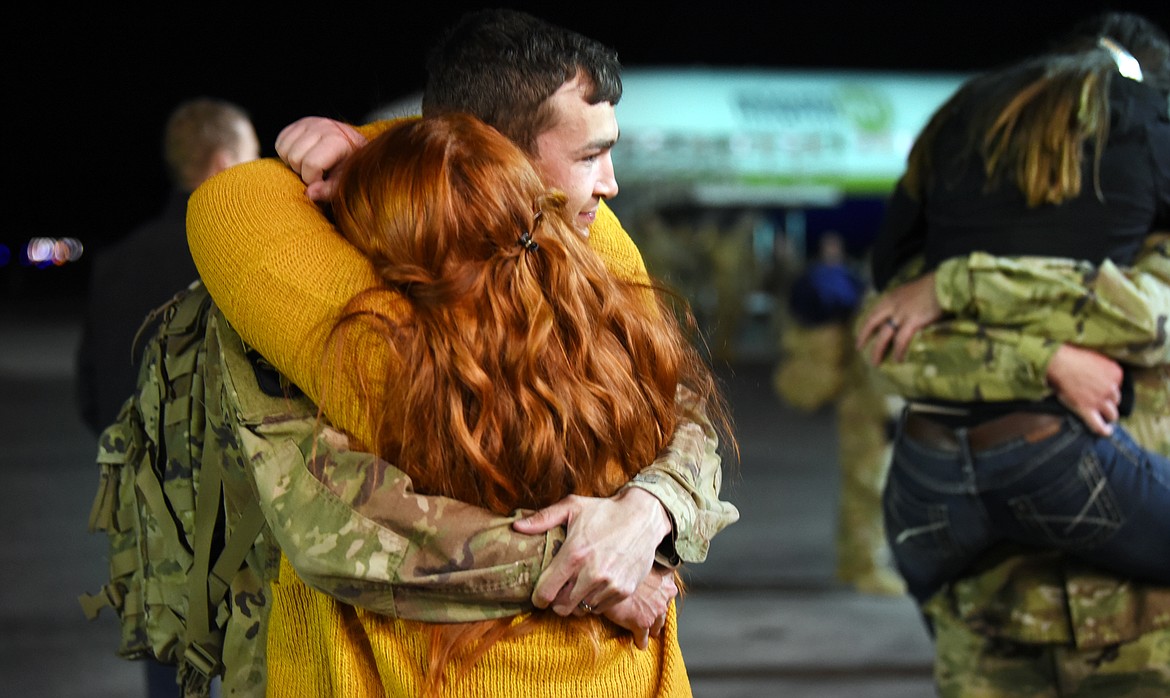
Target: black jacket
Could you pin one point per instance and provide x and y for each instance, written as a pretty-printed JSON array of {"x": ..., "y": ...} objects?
[
  {"x": 128, "y": 280},
  {"x": 959, "y": 215}
]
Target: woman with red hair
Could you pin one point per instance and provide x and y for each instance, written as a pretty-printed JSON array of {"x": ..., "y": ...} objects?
[{"x": 497, "y": 361}]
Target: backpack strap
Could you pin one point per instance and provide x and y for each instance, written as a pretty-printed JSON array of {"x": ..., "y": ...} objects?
[
  {"x": 103, "y": 516},
  {"x": 210, "y": 580},
  {"x": 209, "y": 584}
]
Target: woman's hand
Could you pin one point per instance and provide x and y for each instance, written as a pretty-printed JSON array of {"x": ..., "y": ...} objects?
[
  {"x": 897, "y": 316},
  {"x": 315, "y": 148},
  {"x": 1089, "y": 384}
]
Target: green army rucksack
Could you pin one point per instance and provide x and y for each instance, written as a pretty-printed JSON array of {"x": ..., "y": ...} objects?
[{"x": 172, "y": 557}]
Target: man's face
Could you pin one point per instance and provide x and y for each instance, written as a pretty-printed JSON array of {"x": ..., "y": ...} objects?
[{"x": 574, "y": 155}]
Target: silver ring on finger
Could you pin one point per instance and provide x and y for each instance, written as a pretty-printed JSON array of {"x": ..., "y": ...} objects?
[{"x": 584, "y": 605}]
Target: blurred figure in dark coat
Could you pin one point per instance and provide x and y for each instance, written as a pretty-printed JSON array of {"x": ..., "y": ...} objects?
[{"x": 142, "y": 271}]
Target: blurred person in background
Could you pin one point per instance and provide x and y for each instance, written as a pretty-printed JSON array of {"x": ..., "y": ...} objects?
[
  {"x": 145, "y": 269},
  {"x": 819, "y": 366},
  {"x": 142, "y": 271}
]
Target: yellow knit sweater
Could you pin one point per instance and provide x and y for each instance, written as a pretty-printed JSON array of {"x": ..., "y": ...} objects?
[{"x": 281, "y": 274}]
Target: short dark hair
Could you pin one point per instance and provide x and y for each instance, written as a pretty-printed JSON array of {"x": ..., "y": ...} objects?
[{"x": 503, "y": 65}]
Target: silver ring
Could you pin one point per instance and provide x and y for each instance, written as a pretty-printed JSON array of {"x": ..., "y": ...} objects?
[
  {"x": 585, "y": 606},
  {"x": 892, "y": 323}
]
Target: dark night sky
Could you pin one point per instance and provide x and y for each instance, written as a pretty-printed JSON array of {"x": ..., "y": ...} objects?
[{"x": 93, "y": 87}]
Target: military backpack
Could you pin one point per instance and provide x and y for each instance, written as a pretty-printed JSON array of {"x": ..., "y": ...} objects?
[{"x": 172, "y": 553}]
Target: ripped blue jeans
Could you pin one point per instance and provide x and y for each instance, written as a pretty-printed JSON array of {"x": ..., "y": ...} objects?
[{"x": 1103, "y": 500}]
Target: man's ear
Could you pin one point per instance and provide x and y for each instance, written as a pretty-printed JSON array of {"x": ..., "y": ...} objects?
[{"x": 220, "y": 161}]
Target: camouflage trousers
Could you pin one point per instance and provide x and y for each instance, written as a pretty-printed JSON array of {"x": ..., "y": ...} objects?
[
  {"x": 863, "y": 554},
  {"x": 970, "y": 665}
]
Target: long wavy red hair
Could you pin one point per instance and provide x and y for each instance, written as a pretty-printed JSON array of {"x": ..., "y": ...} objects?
[{"x": 526, "y": 371}]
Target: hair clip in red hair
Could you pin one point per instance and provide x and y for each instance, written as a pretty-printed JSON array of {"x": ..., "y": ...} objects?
[{"x": 526, "y": 240}]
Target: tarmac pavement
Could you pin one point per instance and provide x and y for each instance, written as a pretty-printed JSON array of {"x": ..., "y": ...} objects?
[{"x": 762, "y": 617}]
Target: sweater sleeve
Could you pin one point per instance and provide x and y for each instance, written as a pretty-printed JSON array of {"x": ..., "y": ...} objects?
[
  {"x": 609, "y": 239},
  {"x": 281, "y": 275}
]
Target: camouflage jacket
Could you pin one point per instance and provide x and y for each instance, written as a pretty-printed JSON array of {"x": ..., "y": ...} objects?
[
  {"x": 353, "y": 526},
  {"x": 394, "y": 551},
  {"x": 1009, "y": 317}
]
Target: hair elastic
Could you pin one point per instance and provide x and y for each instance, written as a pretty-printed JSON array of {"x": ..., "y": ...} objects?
[
  {"x": 526, "y": 240},
  {"x": 1127, "y": 65}
]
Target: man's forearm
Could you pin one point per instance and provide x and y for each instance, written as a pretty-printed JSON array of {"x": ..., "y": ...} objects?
[
  {"x": 353, "y": 526},
  {"x": 390, "y": 549},
  {"x": 967, "y": 362},
  {"x": 1120, "y": 312}
]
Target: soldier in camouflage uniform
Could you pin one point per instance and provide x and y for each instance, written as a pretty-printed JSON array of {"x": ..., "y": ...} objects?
[
  {"x": 355, "y": 490},
  {"x": 1027, "y": 623},
  {"x": 322, "y": 537},
  {"x": 1022, "y": 622},
  {"x": 820, "y": 366}
]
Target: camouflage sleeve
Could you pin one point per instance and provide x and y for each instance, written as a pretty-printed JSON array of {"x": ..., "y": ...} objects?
[
  {"x": 1118, "y": 311},
  {"x": 687, "y": 478},
  {"x": 960, "y": 359},
  {"x": 965, "y": 361},
  {"x": 1014, "y": 312},
  {"x": 352, "y": 525}
]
